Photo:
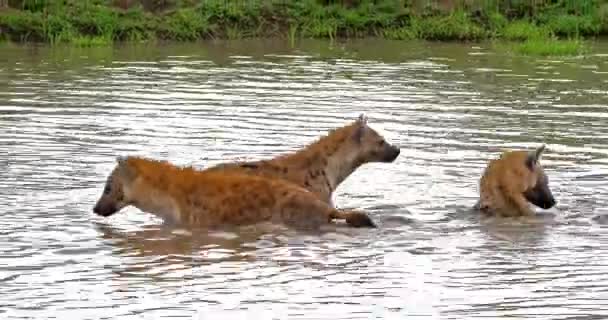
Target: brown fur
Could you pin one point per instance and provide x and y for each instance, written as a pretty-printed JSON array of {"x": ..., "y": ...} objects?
[
  {"x": 209, "y": 199},
  {"x": 324, "y": 164},
  {"x": 509, "y": 182}
]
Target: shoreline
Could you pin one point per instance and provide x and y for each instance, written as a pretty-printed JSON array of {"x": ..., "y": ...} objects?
[{"x": 553, "y": 29}]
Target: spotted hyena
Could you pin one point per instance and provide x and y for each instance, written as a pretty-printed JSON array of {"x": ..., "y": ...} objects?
[
  {"x": 324, "y": 164},
  {"x": 511, "y": 182},
  {"x": 187, "y": 196}
]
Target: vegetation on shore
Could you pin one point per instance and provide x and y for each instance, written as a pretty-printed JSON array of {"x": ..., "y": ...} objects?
[{"x": 533, "y": 23}]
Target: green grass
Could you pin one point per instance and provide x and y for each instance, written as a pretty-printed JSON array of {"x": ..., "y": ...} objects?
[
  {"x": 402, "y": 33},
  {"x": 572, "y": 25},
  {"x": 456, "y": 26},
  {"x": 524, "y": 30},
  {"x": 88, "y": 41},
  {"x": 551, "y": 47},
  {"x": 603, "y": 18},
  {"x": 184, "y": 24},
  {"x": 291, "y": 34},
  {"x": 96, "y": 22}
]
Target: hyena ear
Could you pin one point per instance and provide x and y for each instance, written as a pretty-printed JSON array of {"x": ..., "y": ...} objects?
[
  {"x": 121, "y": 160},
  {"x": 361, "y": 126},
  {"x": 534, "y": 156},
  {"x": 362, "y": 119},
  {"x": 124, "y": 168}
]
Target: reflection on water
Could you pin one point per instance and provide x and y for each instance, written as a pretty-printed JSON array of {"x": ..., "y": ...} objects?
[{"x": 65, "y": 114}]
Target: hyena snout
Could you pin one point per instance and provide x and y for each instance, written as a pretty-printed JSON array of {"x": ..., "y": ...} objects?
[
  {"x": 390, "y": 153},
  {"x": 104, "y": 208},
  {"x": 549, "y": 202},
  {"x": 541, "y": 197}
]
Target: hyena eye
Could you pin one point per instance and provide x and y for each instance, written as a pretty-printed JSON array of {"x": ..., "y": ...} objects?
[
  {"x": 381, "y": 142},
  {"x": 107, "y": 189}
]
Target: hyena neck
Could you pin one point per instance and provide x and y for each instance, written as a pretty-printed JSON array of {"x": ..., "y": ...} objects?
[
  {"x": 164, "y": 208},
  {"x": 340, "y": 165},
  {"x": 337, "y": 154},
  {"x": 330, "y": 158},
  {"x": 331, "y": 165},
  {"x": 157, "y": 202},
  {"x": 150, "y": 191}
]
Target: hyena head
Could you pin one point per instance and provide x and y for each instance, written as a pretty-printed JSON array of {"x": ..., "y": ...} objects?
[
  {"x": 113, "y": 198},
  {"x": 372, "y": 146},
  {"x": 538, "y": 192}
]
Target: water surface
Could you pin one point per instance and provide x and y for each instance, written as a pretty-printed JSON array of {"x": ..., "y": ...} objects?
[{"x": 65, "y": 114}]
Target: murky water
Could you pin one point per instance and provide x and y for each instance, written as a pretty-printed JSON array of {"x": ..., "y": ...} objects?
[{"x": 65, "y": 114}]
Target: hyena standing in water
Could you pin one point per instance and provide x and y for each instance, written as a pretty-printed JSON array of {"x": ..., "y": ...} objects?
[
  {"x": 511, "y": 182},
  {"x": 324, "y": 164},
  {"x": 190, "y": 197}
]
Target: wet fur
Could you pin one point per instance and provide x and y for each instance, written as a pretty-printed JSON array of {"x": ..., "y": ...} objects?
[
  {"x": 509, "y": 184},
  {"x": 210, "y": 199},
  {"x": 323, "y": 165}
]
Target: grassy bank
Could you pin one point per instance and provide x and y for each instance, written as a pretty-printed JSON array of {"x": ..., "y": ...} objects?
[{"x": 102, "y": 22}]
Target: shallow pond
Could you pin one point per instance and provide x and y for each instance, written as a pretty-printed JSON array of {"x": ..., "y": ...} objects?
[{"x": 65, "y": 114}]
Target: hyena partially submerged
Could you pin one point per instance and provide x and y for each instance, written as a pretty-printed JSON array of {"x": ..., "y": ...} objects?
[
  {"x": 324, "y": 164},
  {"x": 511, "y": 182},
  {"x": 187, "y": 196}
]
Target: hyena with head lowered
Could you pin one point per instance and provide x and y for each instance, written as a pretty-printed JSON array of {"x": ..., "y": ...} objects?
[
  {"x": 511, "y": 182},
  {"x": 192, "y": 197},
  {"x": 324, "y": 164}
]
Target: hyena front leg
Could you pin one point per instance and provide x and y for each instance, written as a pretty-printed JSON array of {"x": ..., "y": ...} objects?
[
  {"x": 354, "y": 218},
  {"x": 516, "y": 198},
  {"x": 303, "y": 211},
  {"x": 522, "y": 205}
]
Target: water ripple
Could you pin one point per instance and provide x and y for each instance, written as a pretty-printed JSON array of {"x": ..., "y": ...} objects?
[{"x": 65, "y": 116}]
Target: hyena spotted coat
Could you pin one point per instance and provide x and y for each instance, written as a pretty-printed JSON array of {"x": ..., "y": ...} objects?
[
  {"x": 512, "y": 181},
  {"x": 324, "y": 164},
  {"x": 209, "y": 199}
]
